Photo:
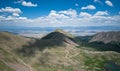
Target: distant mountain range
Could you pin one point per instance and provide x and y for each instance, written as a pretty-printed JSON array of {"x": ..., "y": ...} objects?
[{"x": 76, "y": 31}]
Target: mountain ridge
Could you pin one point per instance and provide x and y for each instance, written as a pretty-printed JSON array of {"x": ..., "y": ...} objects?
[{"x": 106, "y": 37}]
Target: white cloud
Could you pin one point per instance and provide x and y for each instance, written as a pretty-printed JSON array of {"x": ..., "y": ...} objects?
[
  {"x": 70, "y": 12},
  {"x": 1, "y": 17},
  {"x": 109, "y": 3},
  {"x": 29, "y": 4},
  {"x": 76, "y": 4},
  {"x": 84, "y": 14},
  {"x": 63, "y": 18},
  {"x": 15, "y": 14},
  {"x": 101, "y": 13},
  {"x": 54, "y": 15},
  {"x": 90, "y": 7},
  {"x": 10, "y": 10}
]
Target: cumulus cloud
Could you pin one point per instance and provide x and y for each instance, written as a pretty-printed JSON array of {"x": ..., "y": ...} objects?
[
  {"x": 109, "y": 3},
  {"x": 25, "y": 3},
  {"x": 101, "y": 13},
  {"x": 15, "y": 14},
  {"x": 90, "y": 7},
  {"x": 10, "y": 10},
  {"x": 68, "y": 17},
  {"x": 70, "y": 12},
  {"x": 84, "y": 14},
  {"x": 29, "y": 4},
  {"x": 54, "y": 14}
]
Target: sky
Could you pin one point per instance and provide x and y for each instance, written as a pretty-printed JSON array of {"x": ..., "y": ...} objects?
[{"x": 56, "y": 13}]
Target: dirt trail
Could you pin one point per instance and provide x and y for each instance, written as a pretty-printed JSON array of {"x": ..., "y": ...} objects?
[{"x": 67, "y": 54}]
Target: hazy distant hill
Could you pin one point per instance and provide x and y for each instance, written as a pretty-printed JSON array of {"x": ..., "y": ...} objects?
[{"x": 106, "y": 37}]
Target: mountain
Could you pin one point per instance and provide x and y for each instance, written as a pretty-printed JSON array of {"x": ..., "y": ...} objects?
[
  {"x": 57, "y": 51},
  {"x": 106, "y": 37},
  {"x": 60, "y": 37}
]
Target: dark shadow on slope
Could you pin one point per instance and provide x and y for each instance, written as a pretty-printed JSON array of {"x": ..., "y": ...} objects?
[
  {"x": 51, "y": 40},
  {"x": 29, "y": 50}
]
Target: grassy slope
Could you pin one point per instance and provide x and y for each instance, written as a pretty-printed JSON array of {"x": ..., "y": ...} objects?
[
  {"x": 4, "y": 67},
  {"x": 70, "y": 58},
  {"x": 8, "y": 45},
  {"x": 98, "y": 54},
  {"x": 55, "y": 58}
]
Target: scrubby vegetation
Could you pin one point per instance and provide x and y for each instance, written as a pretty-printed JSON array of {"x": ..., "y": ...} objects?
[{"x": 4, "y": 67}]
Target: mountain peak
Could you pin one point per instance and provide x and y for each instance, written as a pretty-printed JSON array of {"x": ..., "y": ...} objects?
[
  {"x": 64, "y": 32},
  {"x": 60, "y": 36}
]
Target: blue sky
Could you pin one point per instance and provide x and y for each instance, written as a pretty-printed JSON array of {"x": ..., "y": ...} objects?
[{"x": 41, "y": 13}]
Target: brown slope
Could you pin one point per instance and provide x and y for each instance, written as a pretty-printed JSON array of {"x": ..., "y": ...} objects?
[
  {"x": 8, "y": 44},
  {"x": 106, "y": 37}
]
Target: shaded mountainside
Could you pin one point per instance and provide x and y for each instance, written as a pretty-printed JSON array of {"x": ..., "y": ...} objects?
[
  {"x": 106, "y": 37},
  {"x": 60, "y": 36},
  {"x": 54, "y": 52}
]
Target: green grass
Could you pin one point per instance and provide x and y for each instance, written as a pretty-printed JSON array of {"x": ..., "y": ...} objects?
[
  {"x": 4, "y": 67},
  {"x": 99, "y": 46},
  {"x": 94, "y": 63}
]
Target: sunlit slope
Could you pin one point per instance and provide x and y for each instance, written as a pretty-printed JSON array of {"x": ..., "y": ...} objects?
[
  {"x": 9, "y": 60},
  {"x": 106, "y": 37}
]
